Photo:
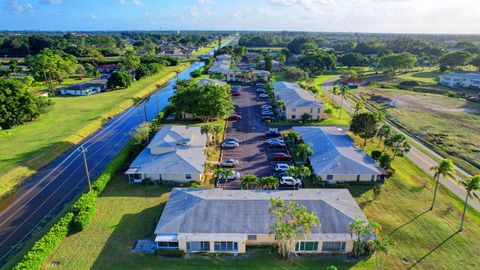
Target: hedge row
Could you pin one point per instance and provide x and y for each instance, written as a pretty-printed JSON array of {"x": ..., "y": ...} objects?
[
  {"x": 78, "y": 218},
  {"x": 43, "y": 247}
]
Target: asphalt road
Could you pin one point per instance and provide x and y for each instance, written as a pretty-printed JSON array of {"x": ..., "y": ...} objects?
[
  {"x": 416, "y": 155},
  {"x": 49, "y": 191}
]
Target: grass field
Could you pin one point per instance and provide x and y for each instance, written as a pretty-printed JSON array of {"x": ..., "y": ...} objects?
[
  {"x": 424, "y": 239},
  {"x": 451, "y": 125},
  {"x": 106, "y": 243},
  {"x": 71, "y": 119}
]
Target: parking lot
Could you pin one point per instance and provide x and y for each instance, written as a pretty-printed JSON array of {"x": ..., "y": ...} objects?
[{"x": 250, "y": 131}]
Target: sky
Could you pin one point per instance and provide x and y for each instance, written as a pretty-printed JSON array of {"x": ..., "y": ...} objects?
[{"x": 386, "y": 16}]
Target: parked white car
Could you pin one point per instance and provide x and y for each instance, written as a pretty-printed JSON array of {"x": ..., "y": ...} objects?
[
  {"x": 230, "y": 144},
  {"x": 266, "y": 107},
  {"x": 290, "y": 181},
  {"x": 229, "y": 162},
  {"x": 234, "y": 176},
  {"x": 281, "y": 167},
  {"x": 265, "y": 113}
]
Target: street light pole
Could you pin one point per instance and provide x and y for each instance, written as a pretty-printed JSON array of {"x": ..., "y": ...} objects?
[{"x": 83, "y": 150}]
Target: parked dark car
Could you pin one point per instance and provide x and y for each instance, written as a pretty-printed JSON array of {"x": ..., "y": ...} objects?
[
  {"x": 235, "y": 93},
  {"x": 281, "y": 157},
  {"x": 268, "y": 119},
  {"x": 276, "y": 146},
  {"x": 273, "y": 132},
  {"x": 235, "y": 117}
]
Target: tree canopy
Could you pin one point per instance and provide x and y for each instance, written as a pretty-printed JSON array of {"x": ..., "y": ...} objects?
[
  {"x": 119, "y": 79},
  {"x": 206, "y": 102},
  {"x": 18, "y": 104},
  {"x": 394, "y": 62},
  {"x": 455, "y": 59},
  {"x": 365, "y": 125}
]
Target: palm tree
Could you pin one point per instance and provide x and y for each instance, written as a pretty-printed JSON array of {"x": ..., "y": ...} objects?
[
  {"x": 206, "y": 129},
  {"x": 249, "y": 181},
  {"x": 471, "y": 185},
  {"x": 334, "y": 91},
  {"x": 379, "y": 245},
  {"x": 444, "y": 168},
  {"x": 216, "y": 130},
  {"x": 299, "y": 171},
  {"x": 359, "y": 107},
  {"x": 293, "y": 137},
  {"x": 384, "y": 133},
  {"x": 361, "y": 229},
  {"x": 345, "y": 91},
  {"x": 269, "y": 182},
  {"x": 303, "y": 151},
  {"x": 222, "y": 173}
]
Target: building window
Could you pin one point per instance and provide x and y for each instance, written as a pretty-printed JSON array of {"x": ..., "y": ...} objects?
[
  {"x": 358, "y": 177},
  {"x": 135, "y": 176},
  {"x": 198, "y": 246},
  {"x": 168, "y": 245},
  {"x": 226, "y": 246},
  {"x": 318, "y": 110},
  {"x": 252, "y": 237},
  {"x": 293, "y": 116},
  {"x": 306, "y": 246},
  {"x": 329, "y": 177},
  {"x": 294, "y": 109},
  {"x": 333, "y": 246},
  {"x": 373, "y": 178},
  {"x": 188, "y": 176},
  {"x": 311, "y": 110}
]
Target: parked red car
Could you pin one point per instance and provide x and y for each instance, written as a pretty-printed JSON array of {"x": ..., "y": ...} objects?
[
  {"x": 235, "y": 93},
  {"x": 234, "y": 117},
  {"x": 281, "y": 157}
]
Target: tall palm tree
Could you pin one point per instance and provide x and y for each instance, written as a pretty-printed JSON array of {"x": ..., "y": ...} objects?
[
  {"x": 222, "y": 174},
  {"x": 444, "y": 168},
  {"x": 249, "y": 181},
  {"x": 293, "y": 137},
  {"x": 299, "y": 171},
  {"x": 345, "y": 91},
  {"x": 269, "y": 182},
  {"x": 471, "y": 185},
  {"x": 216, "y": 130},
  {"x": 206, "y": 129},
  {"x": 334, "y": 91},
  {"x": 384, "y": 133}
]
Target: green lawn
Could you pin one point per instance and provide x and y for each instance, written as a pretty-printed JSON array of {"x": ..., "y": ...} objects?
[
  {"x": 427, "y": 76},
  {"x": 71, "y": 119},
  {"x": 128, "y": 212},
  {"x": 424, "y": 239},
  {"x": 74, "y": 79}
]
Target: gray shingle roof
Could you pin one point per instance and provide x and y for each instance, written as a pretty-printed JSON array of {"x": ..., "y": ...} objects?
[
  {"x": 173, "y": 150},
  {"x": 294, "y": 96},
  {"x": 246, "y": 211},
  {"x": 102, "y": 83},
  {"x": 471, "y": 76},
  {"x": 335, "y": 153},
  {"x": 211, "y": 81}
]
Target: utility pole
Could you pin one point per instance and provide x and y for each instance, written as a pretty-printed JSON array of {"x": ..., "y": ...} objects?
[
  {"x": 158, "y": 108},
  {"x": 83, "y": 150},
  {"x": 145, "y": 110}
]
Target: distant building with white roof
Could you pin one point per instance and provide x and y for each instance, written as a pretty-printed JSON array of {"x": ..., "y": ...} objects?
[
  {"x": 335, "y": 157},
  {"x": 203, "y": 82},
  {"x": 221, "y": 65},
  {"x": 467, "y": 80},
  {"x": 298, "y": 101},
  {"x": 176, "y": 153}
]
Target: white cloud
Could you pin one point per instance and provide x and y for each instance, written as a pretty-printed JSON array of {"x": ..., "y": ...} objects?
[
  {"x": 50, "y": 2},
  {"x": 205, "y": 2},
  {"x": 93, "y": 16},
  {"x": 15, "y": 6},
  {"x": 137, "y": 2},
  {"x": 193, "y": 11},
  {"x": 126, "y": 2}
]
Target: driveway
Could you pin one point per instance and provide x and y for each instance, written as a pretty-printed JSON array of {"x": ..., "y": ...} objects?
[{"x": 252, "y": 152}]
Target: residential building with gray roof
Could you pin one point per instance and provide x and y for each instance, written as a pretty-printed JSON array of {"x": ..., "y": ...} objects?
[
  {"x": 335, "y": 157},
  {"x": 176, "y": 153},
  {"x": 298, "y": 101},
  {"x": 217, "y": 220}
]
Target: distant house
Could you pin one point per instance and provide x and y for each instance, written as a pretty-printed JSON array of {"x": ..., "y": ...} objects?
[
  {"x": 107, "y": 68},
  {"x": 336, "y": 159},
  {"x": 467, "y": 80},
  {"x": 221, "y": 65},
  {"x": 248, "y": 76},
  {"x": 176, "y": 153},
  {"x": 211, "y": 81},
  {"x": 41, "y": 93},
  {"x": 298, "y": 101},
  {"x": 85, "y": 89},
  {"x": 276, "y": 66},
  {"x": 229, "y": 221}
]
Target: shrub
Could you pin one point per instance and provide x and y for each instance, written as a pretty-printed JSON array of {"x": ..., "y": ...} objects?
[
  {"x": 328, "y": 109},
  {"x": 409, "y": 83},
  {"x": 148, "y": 182},
  {"x": 390, "y": 172},
  {"x": 170, "y": 253},
  {"x": 43, "y": 247},
  {"x": 84, "y": 210},
  {"x": 376, "y": 154}
]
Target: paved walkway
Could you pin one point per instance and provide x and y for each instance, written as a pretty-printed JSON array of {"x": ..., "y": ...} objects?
[{"x": 416, "y": 155}]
